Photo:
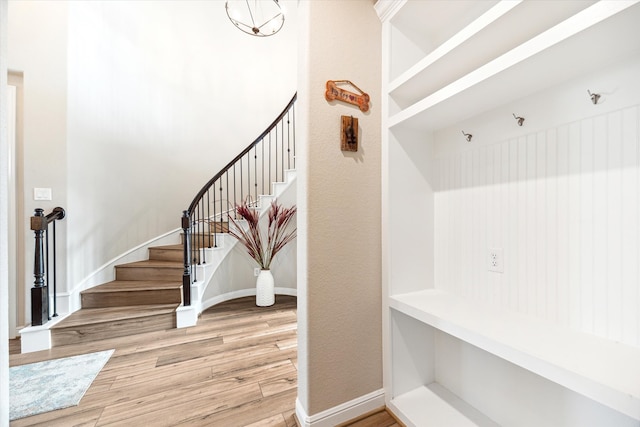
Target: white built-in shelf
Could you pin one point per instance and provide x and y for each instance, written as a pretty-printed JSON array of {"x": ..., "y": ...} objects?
[
  {"x": 426, "y": 96},
  {"x": 603, "y": 370},
  {"x": 434, "y": 406},
  {"x": 501, "y": 28}
]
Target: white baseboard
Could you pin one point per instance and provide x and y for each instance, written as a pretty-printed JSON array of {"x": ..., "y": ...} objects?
[
  {"x": 343, "y": 412},
  {"x": 244, "y": 293}
]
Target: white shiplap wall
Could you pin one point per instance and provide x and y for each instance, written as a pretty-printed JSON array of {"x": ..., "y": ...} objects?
[{"x": 564, "y": 205}]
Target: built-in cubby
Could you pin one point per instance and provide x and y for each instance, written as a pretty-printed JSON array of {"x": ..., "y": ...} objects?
[{"x": 554, "y": 338}]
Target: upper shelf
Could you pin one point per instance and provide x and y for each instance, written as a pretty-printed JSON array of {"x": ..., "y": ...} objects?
[
  {"x": 603, "y": 370},
  {"x": 472, "y": 72}
]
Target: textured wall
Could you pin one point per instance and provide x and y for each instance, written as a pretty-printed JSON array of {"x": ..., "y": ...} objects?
[{"x": 339, "y": 277}]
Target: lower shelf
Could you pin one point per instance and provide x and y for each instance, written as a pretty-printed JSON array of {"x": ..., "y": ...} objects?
[
  {"x": 434, "y": 405},
  {"x": 602, "y": 370}
]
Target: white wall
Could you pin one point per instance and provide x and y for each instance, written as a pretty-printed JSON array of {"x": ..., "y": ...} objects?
[
  {"x": 130, "y": 107},
  {"x": 560, "y": 196},
  {"x": 37, "y": 41},
  {"x": 339, "y": 277}
]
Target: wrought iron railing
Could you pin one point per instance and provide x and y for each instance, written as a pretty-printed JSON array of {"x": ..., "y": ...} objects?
[
  {"x": 44, "y": 276},
  {"x": 246, "y": 177}
]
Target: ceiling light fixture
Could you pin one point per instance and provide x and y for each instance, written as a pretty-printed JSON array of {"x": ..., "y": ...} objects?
[{"x": 259, "y": 18}]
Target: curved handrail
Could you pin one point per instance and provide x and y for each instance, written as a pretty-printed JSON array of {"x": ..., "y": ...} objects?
[
  {"x": 229, "y": 165},
  {"x": 204, "y": 219}
]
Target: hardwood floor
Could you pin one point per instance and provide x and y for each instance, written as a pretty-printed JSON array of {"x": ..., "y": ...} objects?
[{"x": 237, "y": 367}]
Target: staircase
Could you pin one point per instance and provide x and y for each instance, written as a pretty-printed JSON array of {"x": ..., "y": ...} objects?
[
  {"x": 146, "y": 295},
  {"x": 142, "y": 298}
]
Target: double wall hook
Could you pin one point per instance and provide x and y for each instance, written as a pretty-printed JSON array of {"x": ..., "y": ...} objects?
[
  {"x": 519, "y": 119},
  {"x": 595, "y": 97},
  {"x": 468, "y": 136}
]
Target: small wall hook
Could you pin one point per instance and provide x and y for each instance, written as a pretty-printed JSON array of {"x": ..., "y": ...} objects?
[
  {"x": 595, "y": 97},
  {"x": 519, "y": 119},
  {"x": 468, "y": 136}
]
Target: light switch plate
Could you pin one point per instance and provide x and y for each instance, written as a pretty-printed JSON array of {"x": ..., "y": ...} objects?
[{"x": 41, "y": 194}]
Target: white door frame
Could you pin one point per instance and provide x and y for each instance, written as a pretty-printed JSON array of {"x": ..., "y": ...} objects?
[
  {"x": 15, "y": 206},
  {"x": 12, "y": 108}
]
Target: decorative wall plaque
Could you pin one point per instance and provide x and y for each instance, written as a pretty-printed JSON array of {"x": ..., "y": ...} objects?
[{"x": 336, "y": 93}]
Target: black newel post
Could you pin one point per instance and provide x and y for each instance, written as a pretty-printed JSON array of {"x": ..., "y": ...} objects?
[
  {"x": 186, "y": 275},
  {"x": 39, "y": 292}
]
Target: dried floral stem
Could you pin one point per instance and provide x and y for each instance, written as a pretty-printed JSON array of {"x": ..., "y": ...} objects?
[{"x": 279, "y": 232}]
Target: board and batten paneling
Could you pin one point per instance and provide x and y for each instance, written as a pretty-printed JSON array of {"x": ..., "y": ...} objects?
[{"x": 564, "y": 205}]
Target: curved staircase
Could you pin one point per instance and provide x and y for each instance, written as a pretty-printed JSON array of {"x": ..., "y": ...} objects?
[{"x": 150, "y": 295}]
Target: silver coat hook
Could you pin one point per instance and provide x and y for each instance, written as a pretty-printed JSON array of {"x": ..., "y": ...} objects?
[
  {"x": 595, "y": 97},
  {"x": 519, "y": 119},
  {"x": 468, "y": 136}
]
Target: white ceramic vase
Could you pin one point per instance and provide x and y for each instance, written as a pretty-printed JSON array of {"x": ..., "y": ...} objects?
[{"x": 265, "y": 290}]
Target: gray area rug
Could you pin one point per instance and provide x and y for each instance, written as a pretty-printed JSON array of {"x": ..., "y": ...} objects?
[{"x": 53, "y": 384}]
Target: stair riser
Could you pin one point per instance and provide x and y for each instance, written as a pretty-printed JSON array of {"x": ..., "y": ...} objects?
[
  {"x": 118, "y": 299},
  {"x": 149, "y": 273},
  {"x": 166, "y": 254},
  {"x": 106, "y": 330},
  {"x": 202, "y": 240},
  {"x": 171, "y": 255}
]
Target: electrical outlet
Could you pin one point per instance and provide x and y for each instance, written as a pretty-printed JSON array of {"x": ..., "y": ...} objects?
[
  {"x": 496, "y": 260},
  {"x": 256, "y": 271}
]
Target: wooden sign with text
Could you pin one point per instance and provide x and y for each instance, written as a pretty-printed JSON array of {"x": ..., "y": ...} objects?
[{"x": 336, "y": 93}]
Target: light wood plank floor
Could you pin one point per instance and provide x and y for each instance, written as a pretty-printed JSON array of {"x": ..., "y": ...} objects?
[{"x": 237, "y": 367}]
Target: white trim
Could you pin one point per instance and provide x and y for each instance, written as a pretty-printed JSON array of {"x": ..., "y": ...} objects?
[
  {"x": 387, "y": 8},
  {"x": 344, "y": 412}
]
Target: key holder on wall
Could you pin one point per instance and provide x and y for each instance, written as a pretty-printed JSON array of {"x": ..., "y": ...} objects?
[
  {"x": 349, "y": 139},
  {"x": 334, "y": 92}
]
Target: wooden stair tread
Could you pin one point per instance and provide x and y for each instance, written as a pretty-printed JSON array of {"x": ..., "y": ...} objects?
[
  {"x": 177, "y": 246},
  {"x": 88, "y": 316},
  {"x": 152, "y": 263},
  {"x": 134, "y": 285}
]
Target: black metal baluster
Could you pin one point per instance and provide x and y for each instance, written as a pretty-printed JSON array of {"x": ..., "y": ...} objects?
[
  {"x": 221, "y": 210},
  {"x": 241, "y": 182},
  {"x": 249, "y": 177},
  {"x": 288, "y": 144},
  {"x": 294, "y": 136},
  {"x": 255, "y": 172},
  {"x": 200, "y": 231},
  {"x": 227, "y": 173},
  {"x": 215, "y": 235},
  {"x": 55, "y": 275},
  {"x": 46, "y": 270},
  {"x": 186, "y": 272},
  {"x": 262, "y": 167},
  {"x": 270, "y": 179}
]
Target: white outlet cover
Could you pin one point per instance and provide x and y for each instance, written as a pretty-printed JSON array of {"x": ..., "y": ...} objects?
[{"x": 495, "y": 260}]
